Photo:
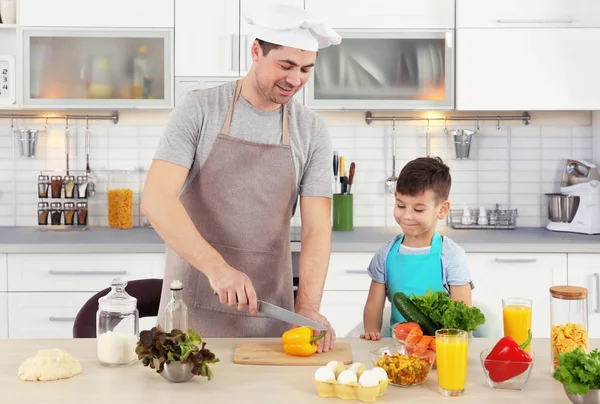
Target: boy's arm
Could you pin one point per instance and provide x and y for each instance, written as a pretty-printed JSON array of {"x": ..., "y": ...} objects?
[
  {"x": 461, "y": 293},
  {"x": 373, "y": 313}
]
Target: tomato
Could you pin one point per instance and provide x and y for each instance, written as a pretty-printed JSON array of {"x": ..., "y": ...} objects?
[{"x": 401, "y": 330}]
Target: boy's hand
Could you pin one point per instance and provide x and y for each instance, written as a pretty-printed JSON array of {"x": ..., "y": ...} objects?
[{"x": 373, "y": 336}]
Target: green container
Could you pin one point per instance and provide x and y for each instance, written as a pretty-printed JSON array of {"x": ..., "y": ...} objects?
[{"x": 343, "y": 212}]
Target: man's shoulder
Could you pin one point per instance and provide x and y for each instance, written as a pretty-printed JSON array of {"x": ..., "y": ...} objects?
[{"x": 212, "y": 95}]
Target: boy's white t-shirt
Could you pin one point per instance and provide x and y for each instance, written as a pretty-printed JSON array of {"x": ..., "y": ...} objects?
[{"x": 455, "y": 270}]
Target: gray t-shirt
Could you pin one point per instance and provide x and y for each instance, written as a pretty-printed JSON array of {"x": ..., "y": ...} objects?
[{"x": 199, "y": 116}]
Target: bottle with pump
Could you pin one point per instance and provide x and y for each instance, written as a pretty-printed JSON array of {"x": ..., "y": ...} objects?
[
  {"x": 176, "y": 311},
  {"x": 142, "y": 82}
]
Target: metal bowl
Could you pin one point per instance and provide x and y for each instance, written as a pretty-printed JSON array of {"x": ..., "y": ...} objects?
[
  {"x": 176, "y": 372},
  {"x": 562, "y": 208},
  {"x": 592, "y": 397}
]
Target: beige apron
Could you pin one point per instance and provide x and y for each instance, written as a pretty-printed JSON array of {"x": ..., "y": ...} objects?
[{"x": 241, "y": 203}]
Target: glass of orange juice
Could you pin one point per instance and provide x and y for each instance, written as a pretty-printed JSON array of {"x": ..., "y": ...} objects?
[
  {"x": 452, "y": 349},
  {"x": 516, "y": 314}
]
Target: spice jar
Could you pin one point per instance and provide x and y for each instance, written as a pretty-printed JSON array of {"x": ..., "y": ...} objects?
[
  {"x": 69, "y": 184},
  {"x": 55, "y": 213},
  {"x": 568, "y": 320},
  {"x": 69, "y": 213},
  {"x": 82, "y": 213},
  {"x": 43, "y": 186},
  {"x": 56, "y": 184},
  {"x": 43, "y": 212},
  {"x": 120, "y": 198},
  {"x": 117, "y": 322},
  {"x": 82, "y": 184}
]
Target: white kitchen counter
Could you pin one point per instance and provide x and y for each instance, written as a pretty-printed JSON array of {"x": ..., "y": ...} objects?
[
  {"x": 362, "y": 239},
  {"x": 244, "y": 383}
]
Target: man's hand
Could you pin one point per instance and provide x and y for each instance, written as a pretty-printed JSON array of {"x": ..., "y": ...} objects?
[
  {"x": 326, "y": 343},
  {"x": 233, "y": 287}
]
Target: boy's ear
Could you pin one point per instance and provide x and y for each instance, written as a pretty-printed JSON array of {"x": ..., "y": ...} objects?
[{"x": 444, "y": 209}]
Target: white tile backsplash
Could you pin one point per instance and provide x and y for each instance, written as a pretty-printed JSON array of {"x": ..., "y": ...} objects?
[{"x": 512, "y": 167}]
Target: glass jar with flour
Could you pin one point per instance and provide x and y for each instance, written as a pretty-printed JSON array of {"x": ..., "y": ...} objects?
[{"x": 117, "y": 323}]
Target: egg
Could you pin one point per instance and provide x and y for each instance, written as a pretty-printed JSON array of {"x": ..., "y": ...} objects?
[
  {"x": 324, "y": 374},
  {"x": 336, "y": 367},
  {"x": 347, "y": 376},
  {"x": 358, "y": 368},
  {"x": 380, "y": 373},
  {"x": 368, "y": 378}
]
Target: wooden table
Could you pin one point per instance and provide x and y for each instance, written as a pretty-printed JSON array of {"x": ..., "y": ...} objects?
[{"x": 246, "y": 383}]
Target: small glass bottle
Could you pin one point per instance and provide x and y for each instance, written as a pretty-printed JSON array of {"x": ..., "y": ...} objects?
[
  {"x": 43, "y": 212},
  {"x": 69, "y": 187},
  {"x": 82, "y": 213},
  {"x": 43, "y": 185},
  {"x": 55, "y": 213},
  {"x": 568, "y": 320},
  {"x": 117, "y": 323},
  {"x": 82, "y": 184},
  {"x": 69, "y": 213},
  {"x": 176, "y": 311},
  {"x": 56, "y": 183}
]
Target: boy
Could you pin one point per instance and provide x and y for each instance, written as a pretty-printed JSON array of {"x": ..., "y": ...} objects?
[{"x": 418, "y": 258}]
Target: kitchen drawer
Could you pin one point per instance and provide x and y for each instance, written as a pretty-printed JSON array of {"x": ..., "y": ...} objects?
[
  {"x": 348, "y": 271},
  {"x": 3, "y": 315},
  {"x": 3, "y": 273},
  {"x": 43, "y": 315},
  {"x": 78, "y": 272},
  {"x": 105, "y": 13},
  {"x": 503, "y": 275},
  {"x": 537, "y": 13}
]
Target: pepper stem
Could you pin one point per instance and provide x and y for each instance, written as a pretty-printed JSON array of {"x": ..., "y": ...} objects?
[
  {"x": 527, "y": 341},
  {"x": 317, "y": 337}
]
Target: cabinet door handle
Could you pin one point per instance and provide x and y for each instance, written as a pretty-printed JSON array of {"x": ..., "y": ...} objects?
[
  {"x": 61, "y": 319},
  {"x": 537, "y": 21},
  {"x": 54, "y": 272},
  {"x": 516, "y": 260},
  {"x": 597, "y": 275},
  {"x": 356, "y": 271}
]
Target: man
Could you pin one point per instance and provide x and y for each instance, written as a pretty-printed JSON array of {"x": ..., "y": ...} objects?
[{"x": 225, "y": 179}]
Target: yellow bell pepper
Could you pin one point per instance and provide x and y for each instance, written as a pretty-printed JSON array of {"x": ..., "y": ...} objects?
[{"x": 300, "y": 341}]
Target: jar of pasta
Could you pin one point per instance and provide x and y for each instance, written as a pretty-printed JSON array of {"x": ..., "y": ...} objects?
[
  {"x": 568, "y": 320},
  {"x": 121, "y": 184}
]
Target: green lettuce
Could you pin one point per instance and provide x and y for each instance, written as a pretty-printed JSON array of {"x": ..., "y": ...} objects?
[
  {"x": 578, "y": 371},
  {"x": 447, "y": 313}
]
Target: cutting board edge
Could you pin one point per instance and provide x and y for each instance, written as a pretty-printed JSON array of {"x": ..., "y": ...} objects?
[
  {"x": 292, "y": 361},
  {"x": 346, "y": 362}
]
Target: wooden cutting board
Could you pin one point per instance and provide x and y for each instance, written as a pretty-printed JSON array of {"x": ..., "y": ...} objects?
[{"x": 271, "y": 353}]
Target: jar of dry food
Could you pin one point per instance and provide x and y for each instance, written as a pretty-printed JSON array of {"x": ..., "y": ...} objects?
[
  {"x": 43, "y": 212},
  {"x": 43, "y": 186},
  {"x": 568, "y": 320},
  {"x": 69, "y": 209},
  {"x": 70, "y": 186},
  {"x": 121, "y": 184}
]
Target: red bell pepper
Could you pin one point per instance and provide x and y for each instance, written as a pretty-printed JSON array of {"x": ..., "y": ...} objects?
[{"x": 507, "y": 359}]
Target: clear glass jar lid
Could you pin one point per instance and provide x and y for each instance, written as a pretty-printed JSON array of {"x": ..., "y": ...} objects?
[{"x": 117, "y": 300}]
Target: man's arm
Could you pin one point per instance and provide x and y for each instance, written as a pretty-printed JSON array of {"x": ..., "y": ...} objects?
[{"x": 314, "y": 261}]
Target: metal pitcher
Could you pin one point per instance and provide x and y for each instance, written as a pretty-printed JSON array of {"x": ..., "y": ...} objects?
[{"x": 27, "y": 140}]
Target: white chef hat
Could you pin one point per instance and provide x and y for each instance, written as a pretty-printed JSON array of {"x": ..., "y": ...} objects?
[{"x": 286, "y": 25}]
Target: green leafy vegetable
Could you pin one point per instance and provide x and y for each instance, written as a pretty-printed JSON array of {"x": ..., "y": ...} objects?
[
  {"x": 447, "y": 313},
  {"x": 578, "y": 371},
  {"x": 173, "y": 347}
]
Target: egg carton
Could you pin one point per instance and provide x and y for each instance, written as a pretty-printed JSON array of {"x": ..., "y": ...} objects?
[{"x": 351, "y": 390}]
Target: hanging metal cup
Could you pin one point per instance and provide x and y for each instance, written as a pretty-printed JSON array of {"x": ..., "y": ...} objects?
[
  {"x": 461, "y": 139},
  {"x": 27, "y": 140}
]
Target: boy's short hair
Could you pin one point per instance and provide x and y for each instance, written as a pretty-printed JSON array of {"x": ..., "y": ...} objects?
[{"x": 425, "y": 173}]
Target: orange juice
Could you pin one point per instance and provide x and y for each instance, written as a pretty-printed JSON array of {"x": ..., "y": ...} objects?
[
  {"x": 452, "y": 357},
  {"x": 517, "y": 322}
]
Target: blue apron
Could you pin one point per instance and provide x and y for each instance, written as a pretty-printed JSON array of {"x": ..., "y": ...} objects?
[{"x": 413, "y": 273}]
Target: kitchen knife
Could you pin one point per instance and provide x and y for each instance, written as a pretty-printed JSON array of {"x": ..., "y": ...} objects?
[
  {"x": 351, "y": 178},
  {"x": 336, "y": 166},
  {"x": 282, "y": 314}
]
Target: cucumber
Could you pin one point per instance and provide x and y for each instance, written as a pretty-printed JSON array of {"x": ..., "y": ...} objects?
[{"x": 412, "y": 313}]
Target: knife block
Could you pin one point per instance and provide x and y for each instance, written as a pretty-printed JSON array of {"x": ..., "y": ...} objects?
[{"x": 343, "y": 212}]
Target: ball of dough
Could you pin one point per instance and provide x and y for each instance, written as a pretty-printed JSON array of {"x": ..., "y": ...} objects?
[{"x": 49, "y": 364}]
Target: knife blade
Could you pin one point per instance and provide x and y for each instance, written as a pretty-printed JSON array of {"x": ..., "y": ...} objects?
[{"x": 282, "y": 314}]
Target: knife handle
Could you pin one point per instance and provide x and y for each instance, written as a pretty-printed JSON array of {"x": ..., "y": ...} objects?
[
  {"x": 352, "y": 169},
  {"x": 336, "y": 163}
]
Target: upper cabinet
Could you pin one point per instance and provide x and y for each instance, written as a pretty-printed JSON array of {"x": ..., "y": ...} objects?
[
  {"x": 384, "y": 14},
  {"x": 105, "y": 13},
  {"x": 539, "y": 57}
]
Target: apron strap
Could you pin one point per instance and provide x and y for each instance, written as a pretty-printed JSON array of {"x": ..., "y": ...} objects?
[{"x": 285, "y": 138}]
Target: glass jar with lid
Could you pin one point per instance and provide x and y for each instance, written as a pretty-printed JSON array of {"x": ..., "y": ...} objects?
[
  {"x": 117, "y": 323},
  {"x": 568, "y": 320},
  {"x": 43, "y": 186}
]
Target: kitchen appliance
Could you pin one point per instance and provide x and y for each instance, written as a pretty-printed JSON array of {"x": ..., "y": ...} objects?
[
  {"x": 576, "y": 208},
  {"x": 287, "y": 316}
]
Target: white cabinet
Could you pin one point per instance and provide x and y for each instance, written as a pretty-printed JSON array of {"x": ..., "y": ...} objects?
[
  {"x": 105, "y": 13},
  {"x": 539, "y": 13},
  {"x": 3, "y": 315},
  {"x": 502, "y": 275},
  {"x": 44, "y": 315},
  {"x": 584, "y": 270},
  {"x": 3, "y": 273},
  {"x": 380, "y": 14},
  {"x": 186, "y": 84},
  {"x": 207, "y": 41},
  {"x": 527, "y": 69},
  {"x": 348, "y": 271},
  {"x": 343, "y": 309}
]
